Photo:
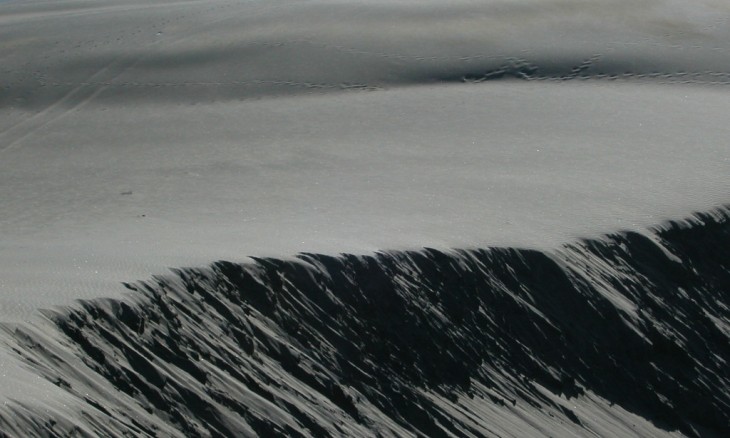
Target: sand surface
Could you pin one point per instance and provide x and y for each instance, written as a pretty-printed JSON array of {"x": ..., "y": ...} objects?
[
  {"x": 137, "y": 136},
  {"x": 102, "y": 195}
]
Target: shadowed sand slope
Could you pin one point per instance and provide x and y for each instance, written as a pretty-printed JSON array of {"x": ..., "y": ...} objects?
[
  {"x": 625, "y": 335},
  {"x": 193, "y": 51}
]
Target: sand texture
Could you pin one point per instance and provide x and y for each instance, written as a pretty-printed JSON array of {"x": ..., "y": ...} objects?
[{"x": 397, "y": 218}]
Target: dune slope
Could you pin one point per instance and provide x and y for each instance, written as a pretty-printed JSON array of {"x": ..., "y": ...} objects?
[
  {"x": 528, "y": 144},
  {"x": 625, "y": 335}
]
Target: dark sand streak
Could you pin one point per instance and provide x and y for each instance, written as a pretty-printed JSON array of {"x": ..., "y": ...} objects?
[{"x": 383, "y": 342}]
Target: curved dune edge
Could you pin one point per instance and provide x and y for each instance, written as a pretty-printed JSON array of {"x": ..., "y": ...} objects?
[{"x": 625, "y": 335}]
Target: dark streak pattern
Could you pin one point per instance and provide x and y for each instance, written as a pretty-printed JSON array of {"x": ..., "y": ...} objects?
[{"x": 280, "y": 347}]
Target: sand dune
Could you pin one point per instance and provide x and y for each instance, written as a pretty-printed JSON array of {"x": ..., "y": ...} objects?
[
  {"x": 626, "y": 335},
  {"x": 138, "y": 136}
]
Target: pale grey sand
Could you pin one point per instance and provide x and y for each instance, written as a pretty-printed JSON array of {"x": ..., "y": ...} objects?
[{"x": 107, "y": 194}]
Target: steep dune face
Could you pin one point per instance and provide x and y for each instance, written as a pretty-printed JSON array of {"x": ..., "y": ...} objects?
[{"x": 625, "y": 335}]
